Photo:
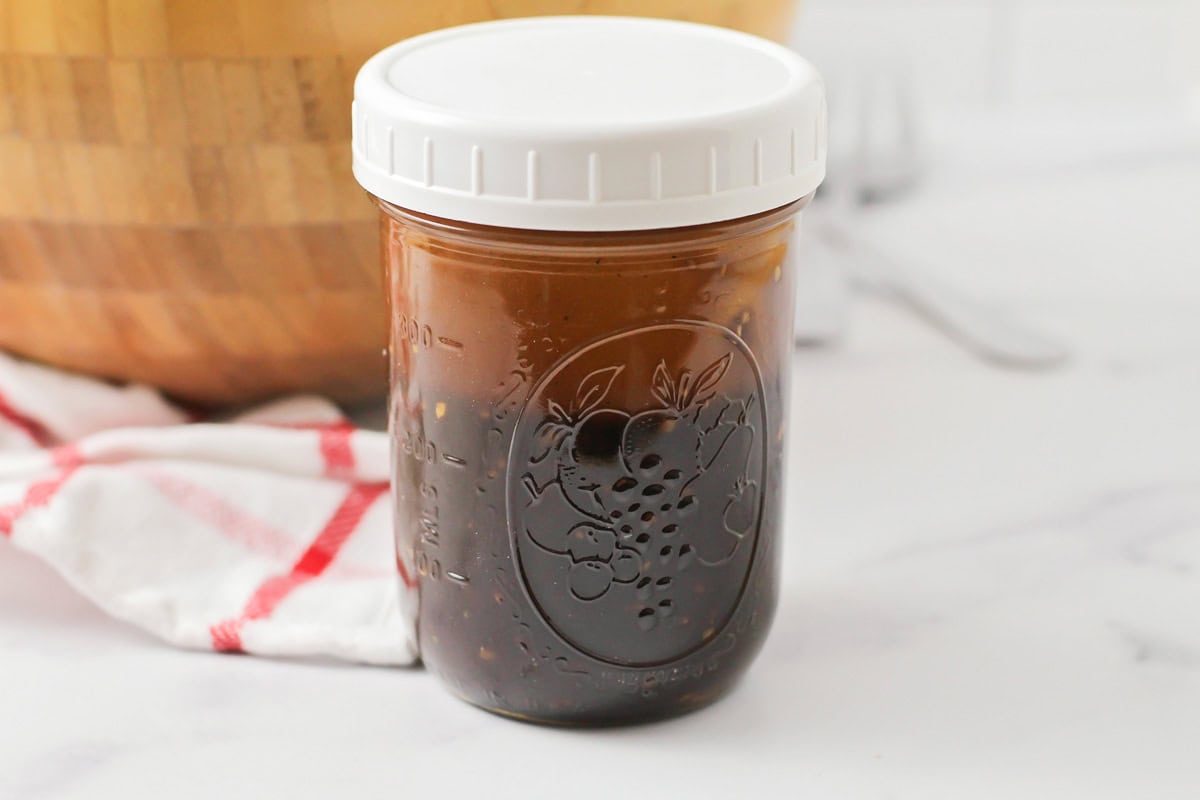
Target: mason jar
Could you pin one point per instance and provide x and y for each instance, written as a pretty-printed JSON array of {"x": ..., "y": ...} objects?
[{"x": 588, "y": 229}]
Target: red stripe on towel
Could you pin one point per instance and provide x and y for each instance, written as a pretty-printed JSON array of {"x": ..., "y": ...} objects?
[
  {"x": 226, "y": 636},
  {"x": 405, "y": 575},
  {"x": 248, "y": 530},
  {"x": 40, "y": 493},
  {"x": 336, "y": 450},
  {"x": 24, "y": 423}
]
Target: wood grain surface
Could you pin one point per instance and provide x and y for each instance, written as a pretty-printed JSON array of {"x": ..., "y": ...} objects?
[{"x": 176, "y": 203}]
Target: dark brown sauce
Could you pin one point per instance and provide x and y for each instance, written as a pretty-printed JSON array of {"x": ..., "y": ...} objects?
[{"x": 588, "y": 461}]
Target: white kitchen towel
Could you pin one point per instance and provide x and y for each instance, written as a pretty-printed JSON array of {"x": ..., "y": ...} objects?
[{"x": 268, "y": 533}]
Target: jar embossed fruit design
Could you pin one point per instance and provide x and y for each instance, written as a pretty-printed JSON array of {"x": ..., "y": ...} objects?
[{"x": 634, "y": 524}]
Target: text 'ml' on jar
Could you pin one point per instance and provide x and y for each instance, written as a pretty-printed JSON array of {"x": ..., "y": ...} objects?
[{"x": 588, "y": 229}]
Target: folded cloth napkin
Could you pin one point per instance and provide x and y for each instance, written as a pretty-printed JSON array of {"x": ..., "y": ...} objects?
[{"x": 268, "y": 533}]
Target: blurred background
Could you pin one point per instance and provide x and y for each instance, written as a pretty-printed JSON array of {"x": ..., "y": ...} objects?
[
  {"x": 1033, "y": 150},
  {"x": 1021, "y": 54},
  {"x": 1004, "y": 259}
]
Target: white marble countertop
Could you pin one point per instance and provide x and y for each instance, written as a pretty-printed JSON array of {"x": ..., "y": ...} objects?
[{"x": 992, "y": 578}]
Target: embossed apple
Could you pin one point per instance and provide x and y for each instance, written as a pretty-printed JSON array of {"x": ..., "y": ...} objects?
[
  {"x": 583, "y": 442},
  {"x": 661, "y": 440}
]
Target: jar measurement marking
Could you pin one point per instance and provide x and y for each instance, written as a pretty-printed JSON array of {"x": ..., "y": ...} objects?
[
  {"x": 414, "y": 332},
  {"x": 428, "y": 521},
  {"x": 418, "y": 447},
  {"x": 419, "y": 334},
  {"x": 454, "y": 460},
  {"x": 429, "y": 531},
  {"x": 428, "y": 566}
]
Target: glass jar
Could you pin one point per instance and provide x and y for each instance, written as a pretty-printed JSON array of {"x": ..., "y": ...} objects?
[{"x": 588, "y": 398}]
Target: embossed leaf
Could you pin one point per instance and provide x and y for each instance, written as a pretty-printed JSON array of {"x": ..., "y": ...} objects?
[
  {"x": 558, "y": 413},
  {"x": 685, "y": 386},
  {"x": 594, "y": 388},
  {"x": 706, "y": 382},
  {"x": 663, "y": 387}
]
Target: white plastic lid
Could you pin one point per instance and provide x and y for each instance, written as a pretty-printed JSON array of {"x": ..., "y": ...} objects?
[{"x": 588, "y": 124}]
